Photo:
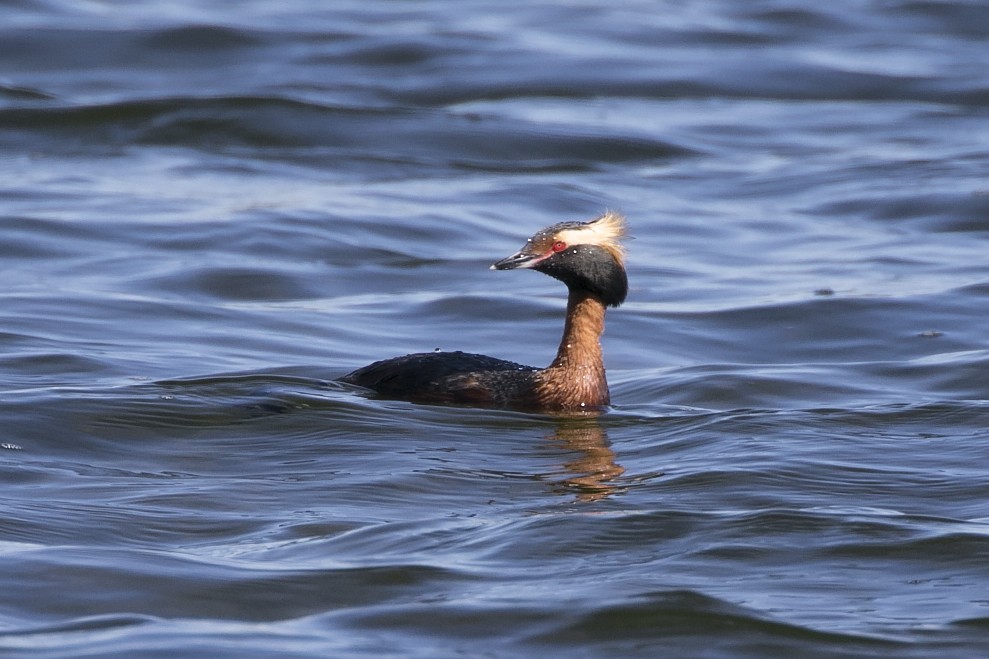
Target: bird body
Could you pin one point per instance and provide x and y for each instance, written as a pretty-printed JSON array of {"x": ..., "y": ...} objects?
[{"x": 589, "y": 259}]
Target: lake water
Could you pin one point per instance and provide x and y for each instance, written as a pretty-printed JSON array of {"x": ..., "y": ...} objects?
[{"x": 207, "y": 213}]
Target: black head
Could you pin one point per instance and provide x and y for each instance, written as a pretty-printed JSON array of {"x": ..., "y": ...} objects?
[{"x": 583, "y": 255}]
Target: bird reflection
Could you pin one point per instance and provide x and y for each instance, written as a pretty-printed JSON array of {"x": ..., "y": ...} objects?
[{"x": 594, "y": 469}]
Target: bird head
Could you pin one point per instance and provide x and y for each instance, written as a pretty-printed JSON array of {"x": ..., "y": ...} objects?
[{"x": 585, "y": 256}]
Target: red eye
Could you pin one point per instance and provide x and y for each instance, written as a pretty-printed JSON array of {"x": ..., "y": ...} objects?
[{"x": 559, "y": 246}]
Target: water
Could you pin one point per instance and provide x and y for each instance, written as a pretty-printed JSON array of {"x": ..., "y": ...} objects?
[{"x": 207, "y": 214}]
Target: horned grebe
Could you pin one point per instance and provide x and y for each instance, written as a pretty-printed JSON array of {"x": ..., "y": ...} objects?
[{"x": 589, "y": 259}]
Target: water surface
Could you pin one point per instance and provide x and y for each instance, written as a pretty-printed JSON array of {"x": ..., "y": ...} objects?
[{"x": 207, "y": 215}]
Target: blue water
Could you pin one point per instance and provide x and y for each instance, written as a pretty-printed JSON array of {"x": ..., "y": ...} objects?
[{"x": 209, "y": 213}]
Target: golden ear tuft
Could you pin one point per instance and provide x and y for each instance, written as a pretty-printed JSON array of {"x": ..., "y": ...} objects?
[
  {"x": 610, "y": 226},
  {"x": 607, "y": 231}
]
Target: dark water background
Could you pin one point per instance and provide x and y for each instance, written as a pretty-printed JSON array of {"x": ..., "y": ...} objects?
[{"x": 210, "y": 210}]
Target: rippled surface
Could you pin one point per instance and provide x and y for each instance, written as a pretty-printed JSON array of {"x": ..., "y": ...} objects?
[{"x": 206, "y": 216}]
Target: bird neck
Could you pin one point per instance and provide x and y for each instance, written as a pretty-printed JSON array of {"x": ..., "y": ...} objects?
[{"x": 576, "y": 378}]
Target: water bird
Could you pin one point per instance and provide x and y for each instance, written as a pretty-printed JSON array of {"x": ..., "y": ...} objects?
[{"x": 586, "y": 256}]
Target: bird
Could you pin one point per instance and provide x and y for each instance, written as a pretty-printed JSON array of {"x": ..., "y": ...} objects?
[{"x": 589, "y": 258}]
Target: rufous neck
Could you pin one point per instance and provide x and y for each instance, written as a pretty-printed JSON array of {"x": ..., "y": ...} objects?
[
  {"x": 575, "y": 381},
  {"x": 580, "y": 346}
]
